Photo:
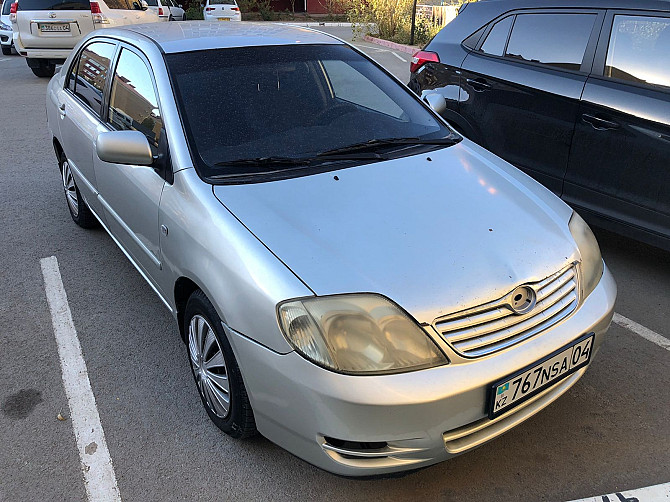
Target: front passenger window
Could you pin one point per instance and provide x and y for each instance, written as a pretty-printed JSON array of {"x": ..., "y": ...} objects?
[
  {"x": 91, "y": 74},
  {"x": 133, "y": 104},
  {"x": 639, "y": 50}
]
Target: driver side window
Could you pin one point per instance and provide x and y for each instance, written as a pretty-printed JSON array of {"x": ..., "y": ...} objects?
[{"x": 133, "y": 104}]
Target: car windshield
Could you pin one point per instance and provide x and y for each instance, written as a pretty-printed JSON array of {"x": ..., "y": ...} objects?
[
  {"x": 256, "y": 109},
  {"x": 219, "y": 2}
]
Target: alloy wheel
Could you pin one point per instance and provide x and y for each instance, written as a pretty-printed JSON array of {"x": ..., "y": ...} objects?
[
  {"x": 209, "y": 366},
  {"x": 70, "y": 189}
]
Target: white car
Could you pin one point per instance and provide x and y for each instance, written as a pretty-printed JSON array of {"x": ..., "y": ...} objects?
[
  {"x": 6, "y": 28},
  {"x": 221, "y": 10},
  {"x": 167, "y": 10},
  {"x": 45, "y": 31}
]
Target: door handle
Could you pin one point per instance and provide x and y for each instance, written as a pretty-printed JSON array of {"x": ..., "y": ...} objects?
[
  {"x": 599, "y": 124},
  {"x": 61, "y": 110},
  {"x": 478, "y": 84}
]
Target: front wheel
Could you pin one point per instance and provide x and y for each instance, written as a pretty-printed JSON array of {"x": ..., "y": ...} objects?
[
  {"x": 79, "y": 211},
  {"x": 215, "y": 369}
]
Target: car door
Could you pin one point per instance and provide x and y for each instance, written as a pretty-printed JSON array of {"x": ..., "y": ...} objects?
[
  {"x": 620, "y": 160},
  {"x": 520, "y": 87},
  {"x": 130, "y": 195},
  {"x": 80, "y": 109}
]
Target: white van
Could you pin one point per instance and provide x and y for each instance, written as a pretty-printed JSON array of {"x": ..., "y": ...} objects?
[{"x": 45, "y": 31}]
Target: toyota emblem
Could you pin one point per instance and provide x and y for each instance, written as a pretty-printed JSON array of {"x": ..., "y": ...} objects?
[{"x": 522, "y": 300}]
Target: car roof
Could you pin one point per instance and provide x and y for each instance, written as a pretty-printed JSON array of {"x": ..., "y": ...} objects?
[
  {"x": 184, "y": 36},
  {"x": 506, "y": 5}
]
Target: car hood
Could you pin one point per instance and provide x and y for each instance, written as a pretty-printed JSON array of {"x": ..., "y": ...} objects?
[{"x": 436, "y": 232}]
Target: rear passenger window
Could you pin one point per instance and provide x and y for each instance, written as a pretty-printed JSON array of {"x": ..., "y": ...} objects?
[
  {"x": 133, "y": 104},
  {"x": 557, "y": 40},
  {"x": 497, "y": 37},
  {"x": 91, "y": 74},
  {"x": 639, "y": 50},
  {"x": 118, "y": 4}
]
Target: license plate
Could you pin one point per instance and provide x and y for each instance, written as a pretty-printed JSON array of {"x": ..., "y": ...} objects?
[
  {"x": 524, "y": 384},
  {"x": 224, "y": 19},
  {"x": 54, "y": 27}
]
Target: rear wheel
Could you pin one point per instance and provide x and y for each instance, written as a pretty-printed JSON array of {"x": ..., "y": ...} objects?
[
  {"x": 6, "y": 50},
  {"x": 41, "y": 68},
  {"x": 79, "y": 211},
  {"x": 215, "y": 369}
]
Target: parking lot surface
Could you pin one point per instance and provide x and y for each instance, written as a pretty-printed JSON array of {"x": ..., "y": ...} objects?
[{"x": 610, "y": 432}]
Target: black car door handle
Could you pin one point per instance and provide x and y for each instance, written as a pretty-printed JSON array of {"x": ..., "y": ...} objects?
[
  {"x": 598, "y": 123},
  {"x": 478, "y": 84}
]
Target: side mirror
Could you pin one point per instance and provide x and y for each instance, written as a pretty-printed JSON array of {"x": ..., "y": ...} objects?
[
  {"x": 436, "y": 101},
  {"x": 124, "y": 147},
  {"x": 180, "y": 6}
]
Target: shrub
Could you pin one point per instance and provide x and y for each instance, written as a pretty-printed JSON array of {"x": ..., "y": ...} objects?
[{"x": 194, "y": 12}]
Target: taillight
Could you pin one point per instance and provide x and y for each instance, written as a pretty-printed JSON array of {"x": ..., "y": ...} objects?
[
  {"x": 160, "y": 11},
  {"x": 12, "y": 11},
  {"x": 236, "y": 9},
  {"x": 209, "y": 9},
  {"x": 421, "y": 58},
  {"x": 97, "y": 15}
]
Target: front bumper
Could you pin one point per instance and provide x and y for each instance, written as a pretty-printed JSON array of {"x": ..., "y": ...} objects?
[{"x": 368, "y": 425}]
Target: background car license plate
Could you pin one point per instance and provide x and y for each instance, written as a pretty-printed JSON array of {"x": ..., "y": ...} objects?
[
  {"x": 524, "y": 384},
  {"x": 224, "y": 19},
  {"x": 55, "y": 27}
]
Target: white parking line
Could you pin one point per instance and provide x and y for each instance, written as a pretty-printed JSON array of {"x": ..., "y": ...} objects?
[
  {"x": 656, "y": 493},
  {"x": 399, "y": 57},
  {"x": 6, "y": 59},
  {"x": 96, "y": 463},
  {"x": 638, "y": 329}
]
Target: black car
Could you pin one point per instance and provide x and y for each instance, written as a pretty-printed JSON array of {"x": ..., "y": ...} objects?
[{"x": 575, "y": 93}]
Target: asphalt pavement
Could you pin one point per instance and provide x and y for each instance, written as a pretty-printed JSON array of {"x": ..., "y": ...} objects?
[{"x": 610, "y": 432}]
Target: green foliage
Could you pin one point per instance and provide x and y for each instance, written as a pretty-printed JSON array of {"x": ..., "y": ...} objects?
[
  {"x": 194, "y": 12},
  {"x": 384, "y": 18}
]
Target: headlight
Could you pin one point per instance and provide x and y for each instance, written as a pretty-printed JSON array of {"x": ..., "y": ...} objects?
[
  {"x": 592, "y": 261},
  {"x": 358, "y": 334},
  {"x": 3, "y": 26}
]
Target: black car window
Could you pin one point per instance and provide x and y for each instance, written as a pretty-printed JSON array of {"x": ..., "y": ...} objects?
[
  {"x": 53, "y": 5},
  {"x": 497, "y": 37},
  {"x": 6, "y": 7},
  {"x": 639, "y": 50},
  {"x": 92, "y": 73},
  {"x": 291, "y": 102},
  {"x": 133, "y": 104},
  {"x": 557, "y": 40},
  {"x": 118, "y": 4}
]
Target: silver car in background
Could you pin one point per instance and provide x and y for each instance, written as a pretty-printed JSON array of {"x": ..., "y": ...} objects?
[{"x": 352, "y": 278}]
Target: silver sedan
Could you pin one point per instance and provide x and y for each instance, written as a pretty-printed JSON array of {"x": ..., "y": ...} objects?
[{"x": 352, "y": 278}]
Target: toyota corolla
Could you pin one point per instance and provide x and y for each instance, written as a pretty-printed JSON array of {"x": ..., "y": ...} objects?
[{"x": 352, "y": 278}]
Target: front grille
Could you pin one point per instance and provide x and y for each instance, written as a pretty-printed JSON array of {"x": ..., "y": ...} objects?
[{"x": 494, "y": 326}]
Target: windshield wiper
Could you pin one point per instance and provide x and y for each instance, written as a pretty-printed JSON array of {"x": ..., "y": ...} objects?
[
  {"x": 266, "y": 161},
  {"x": 452, "y": 139}
]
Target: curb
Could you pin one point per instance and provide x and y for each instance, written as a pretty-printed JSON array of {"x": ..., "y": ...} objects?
[
  {"x": 392, "y": 45},
  {"x": 317, "y": 24}
]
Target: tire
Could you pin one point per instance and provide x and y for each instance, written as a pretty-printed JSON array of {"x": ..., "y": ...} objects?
[
  {"x": 79, "y": 210},
  {"x": 171, "y": 18},
  {"x": 183, "y": 17},
  {"x": 214, "y": 368},
  {"x": 44, "y": 70},
  {"x": 6, "y": 50}
]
